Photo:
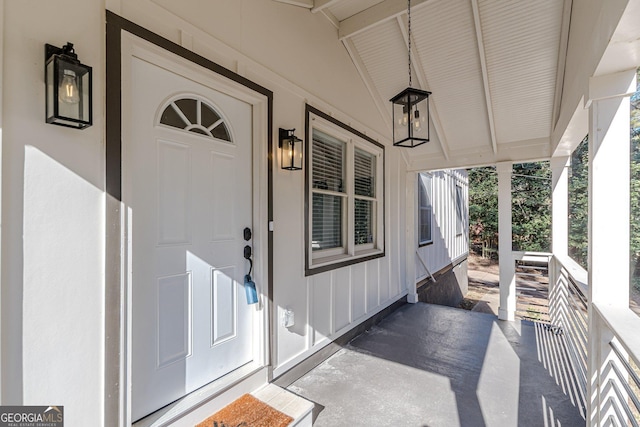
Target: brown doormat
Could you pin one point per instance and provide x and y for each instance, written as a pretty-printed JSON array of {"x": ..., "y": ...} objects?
[{"x": 247, "y": 411}]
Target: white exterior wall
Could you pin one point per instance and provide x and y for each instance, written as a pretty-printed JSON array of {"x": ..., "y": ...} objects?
[
  {"x": 52, "y": 283},
  {"x": 447, "y": 247},
  {"x": 53, "y": 200},
  {"x": 328, "y": 304}
]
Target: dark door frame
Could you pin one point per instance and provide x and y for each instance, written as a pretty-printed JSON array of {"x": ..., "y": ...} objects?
[{"x": 115, "y": 314}]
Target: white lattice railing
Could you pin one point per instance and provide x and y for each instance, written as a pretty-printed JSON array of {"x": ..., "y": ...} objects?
[
  {"x": 616, "y": 383},
  {"x": 601, "y": 340},
  {"x": 568, "y": 310}
]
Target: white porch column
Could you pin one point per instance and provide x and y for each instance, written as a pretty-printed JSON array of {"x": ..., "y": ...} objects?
[
  {"x": 560, "y": 205},
  {"x": 609, "y": 124},
  {"x": 411, "y": 236},
  {"x": 559, "y": 227},
  {"x": 505, "y": 249}
]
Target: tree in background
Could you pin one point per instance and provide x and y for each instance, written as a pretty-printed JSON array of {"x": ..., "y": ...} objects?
[
  {"x": 483, "y": 210},
  {"x": 531, "y": 207},
  {"x": 579, "y": 203},
  {"x": 579, "y": 198},
  {"x": 635, "y": 187},
  {"x": 531, "y": 193}
]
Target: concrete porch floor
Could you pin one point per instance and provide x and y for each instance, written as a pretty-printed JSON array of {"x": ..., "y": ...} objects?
[{"x": 430, "y": 366}]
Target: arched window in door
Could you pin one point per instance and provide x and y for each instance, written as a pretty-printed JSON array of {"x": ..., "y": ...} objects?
[{"x": 195, "y": 115}]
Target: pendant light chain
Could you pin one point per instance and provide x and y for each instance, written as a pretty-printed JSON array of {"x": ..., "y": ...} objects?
[
  {"x": 410, "y": 110},
  {"x": 409, "y": 37}
]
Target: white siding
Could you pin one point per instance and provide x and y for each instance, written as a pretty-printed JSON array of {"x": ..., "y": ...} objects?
[
  {"x": 328, "y": 304},
  {"x": 53, "y": 200},
  {"x": 54, "y": 310},
  {"x": 447, "y": 246},
  {"x": 53, "y": 289}
]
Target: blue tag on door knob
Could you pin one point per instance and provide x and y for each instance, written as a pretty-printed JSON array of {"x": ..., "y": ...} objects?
[{"x": 250, "y": 290}]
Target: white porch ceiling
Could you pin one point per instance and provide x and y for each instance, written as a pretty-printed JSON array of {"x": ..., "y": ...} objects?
[{"x": 495, "y": 68}]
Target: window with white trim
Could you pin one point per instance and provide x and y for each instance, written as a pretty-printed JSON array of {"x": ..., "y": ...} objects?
[
  {"x": 345, "y": 199},
  {"x": 425, "y": 209}
]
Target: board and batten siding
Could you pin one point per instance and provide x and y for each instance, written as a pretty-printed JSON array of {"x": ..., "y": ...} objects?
[
  {"x": 328, "y": 304},
  {"x": 448, "y": 247}
]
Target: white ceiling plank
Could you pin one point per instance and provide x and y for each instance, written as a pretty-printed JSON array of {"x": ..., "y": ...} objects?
[
  {"x": 302, "y": 3},
  {"x": 424, "y": 84},
  {"x": 485, "y": 75},
  {"x": 562, "y": 59},
  {"x": 521, "y": 41},
  {"x": 320, "y": 5},
  {"x": 366, "y": 78},
  {"x": 388, "y": 9}
]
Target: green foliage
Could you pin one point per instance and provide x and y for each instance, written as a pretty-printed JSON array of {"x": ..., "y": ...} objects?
[
  {"x": 634, "y": 243},
  {"x": 483, "y": 208},
  {"x": 578, "y": 197},
  {"x": 579, "y": 203},
  {"x": 531, "y": 207},
  {"x": 531, "y": 193}
]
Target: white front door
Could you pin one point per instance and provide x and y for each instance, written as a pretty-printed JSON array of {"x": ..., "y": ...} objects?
[{"x": 187, "y": 183}]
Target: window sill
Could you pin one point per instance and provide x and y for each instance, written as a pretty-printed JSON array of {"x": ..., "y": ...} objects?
[{"x": 320, "y": 265}]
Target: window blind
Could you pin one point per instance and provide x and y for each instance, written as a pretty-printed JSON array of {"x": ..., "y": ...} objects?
[
  {"x": 364, "y": 173},
  {"x": 326, "y": 222},
  {"x": 328, "y": 162},
  {"x": 363, "y": 221}
]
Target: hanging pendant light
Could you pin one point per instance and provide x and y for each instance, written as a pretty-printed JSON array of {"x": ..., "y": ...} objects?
[{"x": 410, "y": 109}]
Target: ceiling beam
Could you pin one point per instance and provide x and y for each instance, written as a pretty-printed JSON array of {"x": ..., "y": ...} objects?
[
  {"x": 320, "y": 5},
  {"x": 562, "y": 61},
  {"x": 381, "y": 12},
  {"x": 424, "y": 84},
  {"x": 382, "y": 106},
  {"x": 331, "y": 17},
  {"x": 485, "y": 75},
  {"x": 302, "y": 3}
]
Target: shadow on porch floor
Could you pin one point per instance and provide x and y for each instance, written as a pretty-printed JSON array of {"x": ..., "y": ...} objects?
[{"x": 428, "y": 365}]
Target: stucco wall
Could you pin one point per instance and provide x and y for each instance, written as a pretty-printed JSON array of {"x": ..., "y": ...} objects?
[
  {"x": 53, "y": 226},
  {"x": 52, "y": 219},
  {"x": 52, "y": 267},
  {"x": 269, "y": 43}
]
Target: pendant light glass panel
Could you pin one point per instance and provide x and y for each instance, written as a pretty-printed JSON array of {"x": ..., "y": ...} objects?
[{"x": 411, "y": 118}]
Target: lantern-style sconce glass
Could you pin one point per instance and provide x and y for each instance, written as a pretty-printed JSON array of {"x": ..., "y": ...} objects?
[
  {"x": 68, "y": 88},
  {"x": 411, "y": 117},
  {"x": 290, "y": 150}
]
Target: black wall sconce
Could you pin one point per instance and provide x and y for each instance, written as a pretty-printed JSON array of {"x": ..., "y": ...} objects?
[
  {"x": 290, "y": 150},
  {"x": 68, "y": 88}
]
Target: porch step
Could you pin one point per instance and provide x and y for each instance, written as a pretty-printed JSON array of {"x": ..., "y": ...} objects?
[
  {"x": 288, "y": 403},
  {"x": 530, "y": 274},
  {"x": 533, "y": 267}
]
